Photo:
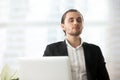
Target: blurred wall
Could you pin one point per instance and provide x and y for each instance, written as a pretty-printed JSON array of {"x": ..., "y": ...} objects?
[{"x": 113, "y": 39}]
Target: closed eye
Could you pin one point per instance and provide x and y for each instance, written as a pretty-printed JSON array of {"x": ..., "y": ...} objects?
[
  {"x": 71, "y": 20},
  {"x": 79, "y": 19}
]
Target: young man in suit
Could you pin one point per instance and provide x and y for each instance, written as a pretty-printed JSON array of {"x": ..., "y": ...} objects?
[{"x": 87, "y": 61}]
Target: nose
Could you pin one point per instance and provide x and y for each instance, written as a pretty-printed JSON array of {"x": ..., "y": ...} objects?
[{"x": 75, "y": 22}]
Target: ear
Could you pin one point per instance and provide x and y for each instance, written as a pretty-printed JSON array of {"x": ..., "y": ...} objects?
[{"x": 62, "y": 26}]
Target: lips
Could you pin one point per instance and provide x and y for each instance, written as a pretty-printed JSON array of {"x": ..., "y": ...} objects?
[{"x": 76, "y": 27}]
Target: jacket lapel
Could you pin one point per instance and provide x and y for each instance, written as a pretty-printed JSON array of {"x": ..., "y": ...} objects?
[
  {"x": 63, "y": 49},
  {"x": 87, "y": 59}
]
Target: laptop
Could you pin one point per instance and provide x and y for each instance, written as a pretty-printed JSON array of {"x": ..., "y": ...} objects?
[{"x": 45, "y": 68}]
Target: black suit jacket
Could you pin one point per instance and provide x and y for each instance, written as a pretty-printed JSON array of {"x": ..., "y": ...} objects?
[{"x": 94, "y": 60}]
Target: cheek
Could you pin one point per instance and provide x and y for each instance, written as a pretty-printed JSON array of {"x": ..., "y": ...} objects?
[
  {"x": 81, "y": 29},
  {"x": 67, "y": 27}
]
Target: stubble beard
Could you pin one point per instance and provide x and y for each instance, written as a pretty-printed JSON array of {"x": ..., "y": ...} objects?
[{"x": 75, "y": 34}]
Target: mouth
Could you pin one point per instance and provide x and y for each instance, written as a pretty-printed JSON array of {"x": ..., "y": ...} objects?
[{"x": 76, "y": 27}]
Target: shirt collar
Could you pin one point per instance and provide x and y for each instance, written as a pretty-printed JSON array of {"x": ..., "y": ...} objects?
[{"x": 73, "y": 47}]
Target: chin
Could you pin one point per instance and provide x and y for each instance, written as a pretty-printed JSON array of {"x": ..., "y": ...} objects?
[{"x": 75, "y": 34}]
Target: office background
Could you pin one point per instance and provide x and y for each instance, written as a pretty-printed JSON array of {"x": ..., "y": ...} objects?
[{"x": 27, "y": 26}]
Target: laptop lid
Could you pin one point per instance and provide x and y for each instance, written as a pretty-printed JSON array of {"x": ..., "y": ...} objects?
[{"x": 45, "y": 68}]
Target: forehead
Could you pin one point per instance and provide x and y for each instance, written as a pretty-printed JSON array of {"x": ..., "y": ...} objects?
[{"x": 73, "y": 15}]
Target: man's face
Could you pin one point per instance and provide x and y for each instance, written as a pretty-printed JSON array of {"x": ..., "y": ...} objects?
[{"x": 73, "y": 24}]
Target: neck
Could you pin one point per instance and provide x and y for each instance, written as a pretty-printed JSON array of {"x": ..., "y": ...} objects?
[{"x": 74, "y": 41}]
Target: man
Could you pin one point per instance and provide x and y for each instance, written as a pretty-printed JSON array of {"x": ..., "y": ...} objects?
[{"x": 87, "y": 61}]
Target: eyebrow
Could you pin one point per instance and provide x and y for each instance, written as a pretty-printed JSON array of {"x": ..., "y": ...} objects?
[
  {"x": 73, "y": 18},
  {"x": 79, "y": 18}
]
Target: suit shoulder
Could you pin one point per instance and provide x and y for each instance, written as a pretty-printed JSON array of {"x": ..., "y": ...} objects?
[
  {"x": 56, "y": 43},
  {"x": 90, "y": 44}
]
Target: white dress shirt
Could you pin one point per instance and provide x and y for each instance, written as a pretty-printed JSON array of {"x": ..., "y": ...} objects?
[{"x": 77, "y": 62}]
